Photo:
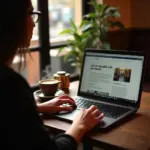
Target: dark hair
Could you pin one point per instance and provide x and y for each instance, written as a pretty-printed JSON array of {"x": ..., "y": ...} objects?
[{"x": 13, "y": 28}]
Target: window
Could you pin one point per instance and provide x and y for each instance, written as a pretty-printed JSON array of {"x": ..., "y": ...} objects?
[
  {"x": 60, "y": 12},
  {"x": 35, "y": 37},
  {"x": 32, "y": 70},
  {"x": 58, "y": 63}
]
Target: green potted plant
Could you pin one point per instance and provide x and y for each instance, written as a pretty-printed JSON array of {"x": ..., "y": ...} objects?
[{"x": 92, "y": 32}]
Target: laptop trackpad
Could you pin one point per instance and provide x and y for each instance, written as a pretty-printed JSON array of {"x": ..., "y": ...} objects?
[{"x": 67, "y": 116}]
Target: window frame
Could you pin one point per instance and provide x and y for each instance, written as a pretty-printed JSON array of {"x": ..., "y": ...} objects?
[{"x": 43, "y": 28}]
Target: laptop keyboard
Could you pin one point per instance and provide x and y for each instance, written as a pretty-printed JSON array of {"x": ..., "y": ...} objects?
[{"x": 108, "y": 110}]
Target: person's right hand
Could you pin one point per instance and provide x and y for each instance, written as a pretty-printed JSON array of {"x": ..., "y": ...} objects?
[
  {"x": 85, "y": 121},
  {"x": 88, "y": 118}
]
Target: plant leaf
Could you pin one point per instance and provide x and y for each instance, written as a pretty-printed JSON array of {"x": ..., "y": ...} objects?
[
  {"x": 116, "y": 14},
  {"x": 74, "y": 64},
  {"x": 90, "y": 16},
  {"x": 115, "y": 24},
  {"x": 86, "y": 27},
  {"x": 70, "y": 42},
  {"x": 111, "y": 9},
  {"x": 95, "y": 43},
  {"x": 60, "y": 50},
  {"x": 71, "y": 59},
  {"x": 84, "y": 22},
  {"x": 111, "y": 12},
  {"x": 77, "y": 37},
  {"x": 73, "y": 25},
  {"x": 106, "y": 46},
  {"x": 66, "y": 31},
  {"x": 97, "y": 6}
]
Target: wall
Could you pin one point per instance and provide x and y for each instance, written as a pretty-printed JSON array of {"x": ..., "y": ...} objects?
[
  {"x": 134, "y": 13},
  {"x": 78, "y": 11},
  {"x": 140, "y": 11},
  {"x": 33, "y": 68},
  {"x": 124, "y": 9},
  {"x": 136, "y": 36}
]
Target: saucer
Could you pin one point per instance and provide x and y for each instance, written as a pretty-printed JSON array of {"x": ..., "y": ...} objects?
[{"x": 40, "y": 96}]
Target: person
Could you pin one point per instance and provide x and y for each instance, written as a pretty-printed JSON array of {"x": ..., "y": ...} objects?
[{"x": 21, "y": 125}]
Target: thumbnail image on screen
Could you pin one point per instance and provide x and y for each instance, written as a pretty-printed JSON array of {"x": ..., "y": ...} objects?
[{"x": 122, "y": 74}]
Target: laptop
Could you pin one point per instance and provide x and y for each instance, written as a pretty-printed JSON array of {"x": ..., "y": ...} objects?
[{"x": 112, "y": 80}]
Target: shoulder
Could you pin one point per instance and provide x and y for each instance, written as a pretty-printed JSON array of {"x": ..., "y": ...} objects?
[
  {"x": 13, "y": 85},
  {"x": 10, "y": 78},
  {"x": 14, "y": 88}
]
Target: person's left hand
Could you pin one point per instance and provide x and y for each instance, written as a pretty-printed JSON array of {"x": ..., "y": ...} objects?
[{"x": 55, "y": 105}]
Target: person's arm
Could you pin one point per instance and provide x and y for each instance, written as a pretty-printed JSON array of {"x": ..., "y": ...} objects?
[
  {"x": 26, "y": 129},
  {"x": 85, "y": 121},
  {"x": 76, "y": 132},
  {"x": 56, "y": 105}
]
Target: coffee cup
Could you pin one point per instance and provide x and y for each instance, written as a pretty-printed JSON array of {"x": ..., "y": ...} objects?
[{"x": 49, "y": 86}]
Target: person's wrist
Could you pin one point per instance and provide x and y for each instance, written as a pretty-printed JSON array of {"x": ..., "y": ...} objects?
[
  {"x": 42, "y": 108},
  {"x": 77, "y": 132},
  {"x": 81, "y": 129},
  {"x": 39, "y": 107}
]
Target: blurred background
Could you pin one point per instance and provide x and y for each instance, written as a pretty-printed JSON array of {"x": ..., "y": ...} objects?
[{"x": 55, "y": 17}]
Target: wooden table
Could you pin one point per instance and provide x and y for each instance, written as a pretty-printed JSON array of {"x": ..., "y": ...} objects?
[{"x": 132, "y": 134}]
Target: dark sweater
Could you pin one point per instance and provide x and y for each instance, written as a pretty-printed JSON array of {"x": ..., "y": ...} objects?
[{"x": 21, "y": 126}]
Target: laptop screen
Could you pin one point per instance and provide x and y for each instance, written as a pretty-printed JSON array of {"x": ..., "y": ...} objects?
[{"x": 114, "y": 76}]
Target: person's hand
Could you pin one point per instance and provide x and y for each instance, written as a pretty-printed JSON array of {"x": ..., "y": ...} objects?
[
  {"x": 85, "y": 121},
  {"x": 88, "y": 118},
  {"x": 55, "y": 105}
]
